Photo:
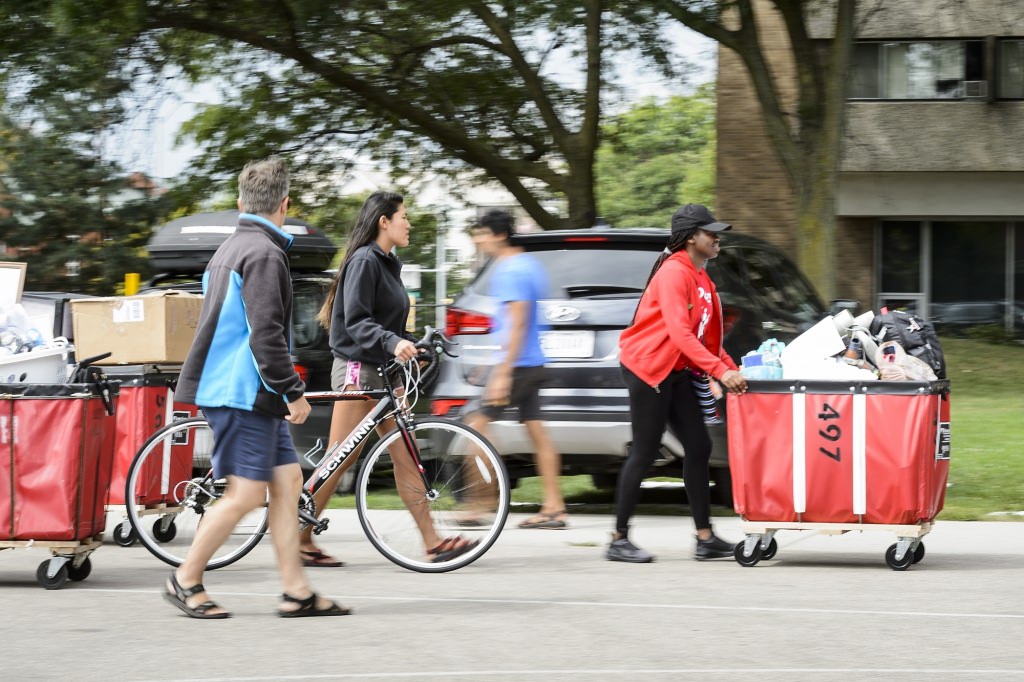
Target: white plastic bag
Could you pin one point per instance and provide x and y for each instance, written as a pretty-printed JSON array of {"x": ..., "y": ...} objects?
[
  {"x": 17, "y": 332},
  {"x": 894, "y": 364}
]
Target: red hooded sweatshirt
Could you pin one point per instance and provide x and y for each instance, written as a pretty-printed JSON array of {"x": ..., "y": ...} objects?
[{"x": 665, "y": 332}]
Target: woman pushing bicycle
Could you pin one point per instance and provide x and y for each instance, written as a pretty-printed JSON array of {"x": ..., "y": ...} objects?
[{"x": 366, "y": 312}]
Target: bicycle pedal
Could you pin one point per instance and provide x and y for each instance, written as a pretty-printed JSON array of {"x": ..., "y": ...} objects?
[{"x": 320, "y": 526}]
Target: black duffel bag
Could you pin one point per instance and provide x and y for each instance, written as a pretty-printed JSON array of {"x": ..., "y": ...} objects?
[{"x": 916, "y": 336}]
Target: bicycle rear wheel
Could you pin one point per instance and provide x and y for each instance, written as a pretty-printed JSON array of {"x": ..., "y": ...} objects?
[
  {"x": 467, "y": 496},
  {"x": 169, "y": 489}
]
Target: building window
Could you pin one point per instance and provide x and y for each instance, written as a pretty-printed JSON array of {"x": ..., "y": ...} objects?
[
  {"x": 958, "y": 274},
  {"x": 1011, "y": 69},
  {"x": 1018, "y": 280},
  {"x": 917, "y": 70},
  {"x": 900, "y": 280},
  {"x": 968, "y": 282},
  {"x": 901, "y": 256}
]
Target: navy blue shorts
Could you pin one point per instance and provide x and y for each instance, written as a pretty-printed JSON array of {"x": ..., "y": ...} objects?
[{"x": 248, "y": 444}]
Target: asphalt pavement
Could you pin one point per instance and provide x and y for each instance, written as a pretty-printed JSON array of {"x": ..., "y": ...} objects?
[{"x": 545, "y": 605}]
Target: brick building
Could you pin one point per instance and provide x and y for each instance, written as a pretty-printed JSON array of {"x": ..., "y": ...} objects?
[{"x": 930, "y": 201}]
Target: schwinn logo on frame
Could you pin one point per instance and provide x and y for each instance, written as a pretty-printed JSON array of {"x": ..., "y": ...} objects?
[{"x": 335, "y": 460}]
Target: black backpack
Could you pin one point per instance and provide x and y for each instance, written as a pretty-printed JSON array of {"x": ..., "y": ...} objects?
[{"x": 917, "y": 337}]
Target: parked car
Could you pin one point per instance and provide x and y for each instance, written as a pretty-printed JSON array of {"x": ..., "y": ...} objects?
[
  {"x": 311, "y": 351},
  {"x": 181, "y": 249},
  {"x": 596, "y": 278}
]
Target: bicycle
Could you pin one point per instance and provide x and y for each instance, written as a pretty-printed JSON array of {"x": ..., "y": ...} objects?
[{"x": 456, "y": 473}]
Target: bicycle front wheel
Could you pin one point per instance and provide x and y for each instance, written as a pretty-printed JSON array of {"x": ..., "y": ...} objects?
[
  {"x": 462, "y": 507},
  {"x": 170, "y": 488}
]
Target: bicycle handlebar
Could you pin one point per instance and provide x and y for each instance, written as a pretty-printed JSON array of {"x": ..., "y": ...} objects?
[
  {"x": 434, "y": 342},
  {"x": 438, "y": 339}
]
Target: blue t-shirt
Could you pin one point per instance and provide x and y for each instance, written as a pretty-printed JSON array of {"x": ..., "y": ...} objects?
[{"x": 520, "y": 277}]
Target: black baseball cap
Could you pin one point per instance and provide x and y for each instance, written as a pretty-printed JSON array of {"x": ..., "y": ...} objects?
[{"x": 692, "y": 216}]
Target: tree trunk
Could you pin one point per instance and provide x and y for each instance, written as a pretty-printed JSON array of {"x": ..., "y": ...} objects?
[
  {"x": 816, "y": 228},
  {"x": 579, "y": 191}
]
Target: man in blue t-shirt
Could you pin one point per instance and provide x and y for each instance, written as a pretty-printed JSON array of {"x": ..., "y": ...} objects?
[{"x": 519, "y": 281}]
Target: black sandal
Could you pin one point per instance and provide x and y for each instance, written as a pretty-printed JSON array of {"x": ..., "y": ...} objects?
[
  {"x": 307, "y": 607},
  {"x": 180, "y": 599}
]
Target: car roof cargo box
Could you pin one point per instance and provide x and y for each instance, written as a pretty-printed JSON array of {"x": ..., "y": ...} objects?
[{"x": 185, "y": 245}]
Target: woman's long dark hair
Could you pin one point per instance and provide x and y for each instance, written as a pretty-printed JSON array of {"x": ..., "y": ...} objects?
[
  {"x": 365, "y": 231},
  {"x": 677, "y": 242}
]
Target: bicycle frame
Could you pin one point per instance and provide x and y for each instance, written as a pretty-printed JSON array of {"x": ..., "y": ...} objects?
[
  {"x": 386, "y": 407},
  {"x": 436, "y": 500}
]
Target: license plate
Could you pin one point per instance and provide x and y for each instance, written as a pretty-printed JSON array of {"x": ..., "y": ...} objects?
[{"x": 568, "y": 344}]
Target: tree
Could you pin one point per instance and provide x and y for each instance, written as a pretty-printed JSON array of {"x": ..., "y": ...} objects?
[
  {"x": 511, "y": 91},
  {"x": 655, "y": 156},
  {"x": 807, "y": 138},
  {"x": 79, "y": 223}
]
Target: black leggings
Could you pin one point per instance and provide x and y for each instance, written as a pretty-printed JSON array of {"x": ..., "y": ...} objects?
[{"x": 674, "y": 405}]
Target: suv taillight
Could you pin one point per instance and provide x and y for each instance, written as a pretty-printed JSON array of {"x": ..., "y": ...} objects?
[
  {"x": 459, "y": 321},
  {"x": 442, "y": 408},
  {"x": 730, "y": 316}
]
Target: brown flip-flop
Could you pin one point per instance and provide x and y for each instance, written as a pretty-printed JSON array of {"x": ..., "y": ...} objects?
[
  {"x": 546, "y": 521},
  {"x": 451, "y": 548},
  {"x": 314, "y": 558}
]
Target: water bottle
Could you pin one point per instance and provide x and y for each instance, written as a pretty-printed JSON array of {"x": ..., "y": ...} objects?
[{"x": 854, "y": 353}]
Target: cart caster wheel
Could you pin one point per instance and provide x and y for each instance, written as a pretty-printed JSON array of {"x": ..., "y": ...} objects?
[
  {"x": 901, "y": 565},
  {"x": 164, "y": 535},
  {"x": 81, "y": 572},
  {"x": 125, "y": 535},
  {"x": 768, "y": 553},
  {"x": 919, "y": 553},
  {"x": 744, "y": 560},
  {"x": 54, "y": 583}
]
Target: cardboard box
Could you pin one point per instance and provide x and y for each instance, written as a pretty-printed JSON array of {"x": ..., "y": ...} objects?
[{"x": 156, "y": 327}]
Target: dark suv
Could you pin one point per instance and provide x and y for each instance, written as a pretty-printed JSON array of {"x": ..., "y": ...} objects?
[
  {"x": 311, "y": 351},
  {"x": 182, "y": 248},
  {"x": 596, "y": 278}
]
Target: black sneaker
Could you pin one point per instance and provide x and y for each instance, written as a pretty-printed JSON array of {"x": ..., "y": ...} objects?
[
  {"x": 624, "y": 550},
  {"x": 714, "y": 548}
]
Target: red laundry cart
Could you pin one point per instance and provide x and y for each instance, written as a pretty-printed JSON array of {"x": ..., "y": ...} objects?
[
  {"x": 835, "y": 457},
  {"x": 145, "y": 404},
  {"x": 56, "y": 453}
]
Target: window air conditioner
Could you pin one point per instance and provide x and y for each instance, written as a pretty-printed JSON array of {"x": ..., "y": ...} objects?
[{"x": 974, "y": 89}]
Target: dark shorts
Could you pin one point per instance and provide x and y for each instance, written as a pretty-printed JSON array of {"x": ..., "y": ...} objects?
[
  {"x": 524, "y": 396},
  {"x": 248, "y": 444}
]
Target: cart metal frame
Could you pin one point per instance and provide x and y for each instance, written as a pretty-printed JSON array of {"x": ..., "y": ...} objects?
[
  {"x": 70, "y": 559},
  {"x": 760, "y": 540}
]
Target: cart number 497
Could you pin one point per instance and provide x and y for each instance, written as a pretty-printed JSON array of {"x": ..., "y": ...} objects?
[{"x": 830, "y": 432}]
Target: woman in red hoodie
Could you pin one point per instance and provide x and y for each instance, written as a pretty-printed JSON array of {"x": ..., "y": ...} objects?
[{"x": 675, "y": 337}]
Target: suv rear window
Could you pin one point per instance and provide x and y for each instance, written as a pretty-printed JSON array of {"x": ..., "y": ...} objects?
[
  {"x": 590, "y": 273},
  {"x": 307, "y": 297},
  {"x": 777, "y": 280}
]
